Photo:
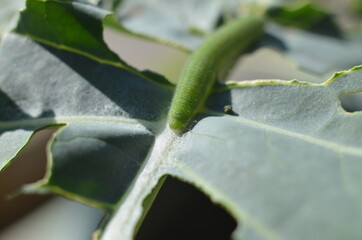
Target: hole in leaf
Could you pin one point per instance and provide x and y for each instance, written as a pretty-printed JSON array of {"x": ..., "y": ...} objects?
[
  {"x": 351, "y": 102},
  {"x": 27, "y": 167},
  {"x": 181, "y": 211}
]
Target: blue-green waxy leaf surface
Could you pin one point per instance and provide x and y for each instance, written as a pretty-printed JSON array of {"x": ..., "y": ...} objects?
[
  {"x": 107, "y": 151},
  {"x": 99, "y": 102},
  {"x": 287, "y": 160},
  {"x": 317, "y": 53},
  {"x": 285, "y": 164},
  {"x": 313, "y": 41},
  {"x": 9, "y": 12},
  {"x": 296, "y": 157},
  {"x": 14, "y": 140},
  {"x": 177, "y": 21}
]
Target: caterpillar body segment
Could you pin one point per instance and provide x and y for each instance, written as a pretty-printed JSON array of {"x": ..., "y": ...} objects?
[{"x": 211, "y": 61}]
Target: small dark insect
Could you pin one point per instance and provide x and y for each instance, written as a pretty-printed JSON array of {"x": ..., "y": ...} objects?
[{"x": 228, "y": 109}]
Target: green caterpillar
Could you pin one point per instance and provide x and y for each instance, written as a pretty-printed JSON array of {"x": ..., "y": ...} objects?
[{"x": 211, "y": 61}]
